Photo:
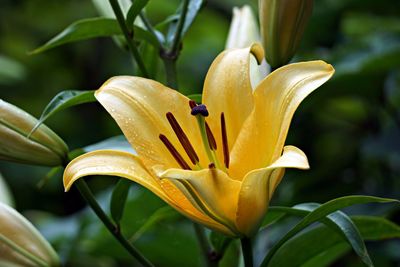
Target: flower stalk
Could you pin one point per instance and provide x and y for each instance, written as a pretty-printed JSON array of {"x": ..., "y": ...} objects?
[
  {"x": 129, "y": 37},
  {"x": 247, "y": 251},
  {"x": 114, "y": 230},
  {"x": 170, "y": 55}
]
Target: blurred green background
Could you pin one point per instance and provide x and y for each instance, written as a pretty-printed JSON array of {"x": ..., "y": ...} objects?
[{"x": 349, "y": 128}]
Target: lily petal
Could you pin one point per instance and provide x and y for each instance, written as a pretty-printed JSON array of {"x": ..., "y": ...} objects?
[
  {"x": 259, "y": 185},
  {"x": 126, "y": 165},
  {"x": 111, "y": 162},
  {"x": 263, "y": 135},
  {"x": 227, "y": 89},
  {"x": 139, "y": 107},
  {"x": 211, "y": 190}
]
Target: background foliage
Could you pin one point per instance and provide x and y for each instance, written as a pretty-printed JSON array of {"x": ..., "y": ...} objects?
[{"x": 349, "y": 128}]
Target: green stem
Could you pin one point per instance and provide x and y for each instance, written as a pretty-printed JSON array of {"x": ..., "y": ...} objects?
[
  {"x": 23, "y": 252},
  {"x": 84, "y": 190},
  {"x": 247, "y": 252},
  {"x": 128, "y": 36},
  {"x": 169, "y": 56},
  {"x": 150, "y": 27},
  {"x": 170, "y": 72},
  {"x": 177, "y": 37},
  {"x": 204, "y": 245}
]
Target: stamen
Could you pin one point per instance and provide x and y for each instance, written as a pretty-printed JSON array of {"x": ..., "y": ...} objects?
[
  {"x": 211, "y": 165},
  {"x": 183, "y": 139},
  {"x": 224, "y": 141},
  {"x": 174, "y": 152},
  {"x": 210, "y": 137}
]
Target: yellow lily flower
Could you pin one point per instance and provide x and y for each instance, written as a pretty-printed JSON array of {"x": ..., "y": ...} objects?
[{"x": 218, "y": 163}]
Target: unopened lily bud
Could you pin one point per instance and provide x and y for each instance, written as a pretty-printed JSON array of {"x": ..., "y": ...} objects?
[
  {"x": 42, "y": 147},
  {"x": 21, "y": 244},
  {"x": 244, "y": 32},
  {"x": 282, "y": 25},
  {"x": 244, "y": 29}
]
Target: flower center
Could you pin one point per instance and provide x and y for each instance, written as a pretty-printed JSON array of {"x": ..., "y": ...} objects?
[{"x": 209, "y": 143}]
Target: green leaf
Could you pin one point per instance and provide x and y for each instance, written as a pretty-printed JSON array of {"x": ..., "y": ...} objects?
[
  {"x": 319, "y": 213},
  {"x": 340, "y": 222},
  {"x": 134, "y": 11},
  {"x": 192, "y": 11},
  {"x": 330, "y": 246},
  {"x": 82, "y": 30},
  {"x": 163, "y": 213},
  {"x": 337, "y": 221},
  {"x": 118, "y": 199},
  {"x": 141, "y": 34},
  {"x": 376, "y": 228},
  {"x": 63, "y": 100}
]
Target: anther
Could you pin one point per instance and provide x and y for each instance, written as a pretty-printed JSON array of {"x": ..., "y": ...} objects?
[
  {"x": 183, "y": 139},
  {"x": 225, "y": 146},
  {"x": 211, "y": 140},
  {"x": 200, "y": 109},
  {"x": 174, "y": 152},
  {"x": 211, "y": 165}
]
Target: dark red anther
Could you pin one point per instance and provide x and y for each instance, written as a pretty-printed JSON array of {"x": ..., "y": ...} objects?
[
  {"x": 225, "y": 146},
  {"x": 174, "y": 152},
  {"x": 183, "y": 139}
]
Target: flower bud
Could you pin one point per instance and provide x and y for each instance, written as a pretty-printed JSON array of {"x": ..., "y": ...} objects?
[
  {"x": 43, "y": 147},
  {"x": 21, "y": 244},
  {"x": 243, "y": 30},
  {"x": 282, "y": 25}
]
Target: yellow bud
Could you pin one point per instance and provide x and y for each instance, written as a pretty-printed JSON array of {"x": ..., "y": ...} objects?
[
  {"x": 244, "y": 29},
  {"x": 282, "y": 25},
  {"x": 244, "y": 32},
  {"x": 21, "y": 244},
  {"x": 43, "y": 147}
]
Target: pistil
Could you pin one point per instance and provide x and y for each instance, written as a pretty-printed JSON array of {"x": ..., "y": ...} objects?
[{"x": 200, "y": 112}]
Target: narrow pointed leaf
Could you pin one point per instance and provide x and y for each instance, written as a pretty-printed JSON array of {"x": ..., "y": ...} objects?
[
  {"x": 160, "y": 215},
  {"x": 141, "y": 34},
  {"x": 82, "y": 30},
  {"x": 63, "y": 100},
  {"x": 118, "y": 199},
  {"x": 319, "y": 213},
  {"x": 192, "y": 11},
  {"x": 337, "y": 221},
  {"x": 134, "y": 11},
  {"x": 330, "y": 246}
]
